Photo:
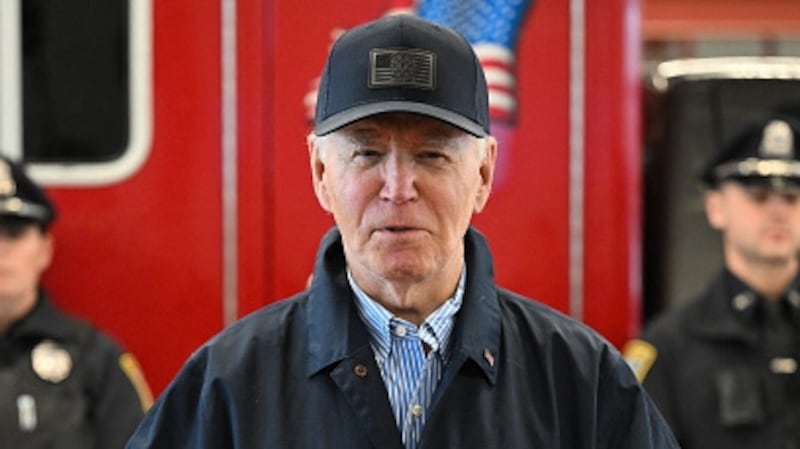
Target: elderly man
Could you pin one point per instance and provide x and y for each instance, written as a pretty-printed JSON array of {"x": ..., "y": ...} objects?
[{"x": 403, "y": 340}]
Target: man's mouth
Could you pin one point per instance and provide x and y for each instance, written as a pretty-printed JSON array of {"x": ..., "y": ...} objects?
[{"x": 397, "y": 228}]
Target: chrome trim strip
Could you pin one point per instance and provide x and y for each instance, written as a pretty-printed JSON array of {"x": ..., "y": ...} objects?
[
  {"x": 737, "y": 67},
  {"x": 10, "y": 79},
  {"x": 229, "y": 148},
  {"x": 577, "y": 75}
]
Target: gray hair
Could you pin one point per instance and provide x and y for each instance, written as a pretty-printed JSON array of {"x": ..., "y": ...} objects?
[{"x": 321, "y": 143}]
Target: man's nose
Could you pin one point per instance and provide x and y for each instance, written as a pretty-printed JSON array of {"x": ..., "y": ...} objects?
[{"x": 399, "y": 180}]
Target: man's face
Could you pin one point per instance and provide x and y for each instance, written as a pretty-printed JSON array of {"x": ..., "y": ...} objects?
[
  {"x": 402, "y": 189},
  {"x": 24, "y": 254},
  {"x": 758, "y": 224}
]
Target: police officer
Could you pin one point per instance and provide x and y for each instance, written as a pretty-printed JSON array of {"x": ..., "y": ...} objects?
[
  {"x": 723, "y": 368},
  {"x": 63, "y": 384}
]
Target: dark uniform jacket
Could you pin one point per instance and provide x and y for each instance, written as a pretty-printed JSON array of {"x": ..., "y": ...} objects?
[
  {"x": 62, "y": 386},
  {"x": 723, "y": 374},
  {"x": 301, "y": 374}
]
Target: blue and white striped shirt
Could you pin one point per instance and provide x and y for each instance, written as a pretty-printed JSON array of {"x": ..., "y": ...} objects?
[{"x": 410, "y": 375}]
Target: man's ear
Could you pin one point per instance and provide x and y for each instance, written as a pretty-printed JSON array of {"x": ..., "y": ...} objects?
[
  {"x": 47, "y": 250},
  {"x": 486, "y": 170},
  {"x": 715, "y": 211},
  {"x": 317, "y": 162}
]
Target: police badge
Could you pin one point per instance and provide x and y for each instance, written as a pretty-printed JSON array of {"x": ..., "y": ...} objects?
[
  {"x": 51, "y": 362},
  {"x": 777, "y": 141}
]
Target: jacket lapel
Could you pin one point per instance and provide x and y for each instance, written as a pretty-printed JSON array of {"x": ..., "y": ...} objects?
[
  {"x": 338, "y": 340},
  {"x": 360, "y": 381}
]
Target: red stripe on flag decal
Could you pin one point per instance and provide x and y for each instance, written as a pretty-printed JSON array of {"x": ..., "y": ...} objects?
[{"x": 498, "y": 66}]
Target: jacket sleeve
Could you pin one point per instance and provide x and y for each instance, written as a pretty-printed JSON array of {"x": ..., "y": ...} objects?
[
  {"x": 628, "y": 418},
  {"x": 189, "y": 414},
  {"x": 118, "y": 391},
  {"x": 655, "y": 353}
]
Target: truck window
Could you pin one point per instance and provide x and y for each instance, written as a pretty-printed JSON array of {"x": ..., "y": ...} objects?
[{"x": 76, "y": 82}]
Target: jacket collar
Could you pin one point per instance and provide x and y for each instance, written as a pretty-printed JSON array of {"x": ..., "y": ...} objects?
[
  {"x": 732, "y": 309},
  {"x": 336, "y": 332},
  {"x": 44, "y": 320},
  {"x": 478, "y": 325}
]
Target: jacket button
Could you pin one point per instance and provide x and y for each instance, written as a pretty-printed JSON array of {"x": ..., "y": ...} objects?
[
  {"x": 742, "y": 301},
  {"x": 360, "y": 370},
  {"x": 794, "y": 298}
]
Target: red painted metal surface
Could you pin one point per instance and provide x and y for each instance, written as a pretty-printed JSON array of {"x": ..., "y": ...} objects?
[
  {"x": 688, "y": 19},
  {"x": 526, "y": 216},
  {"x": 144, "y": 260},
  {"x": 613, "y": 169}
]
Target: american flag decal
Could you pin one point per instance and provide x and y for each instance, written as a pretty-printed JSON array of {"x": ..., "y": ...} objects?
[{"x": 402, "y": 68}]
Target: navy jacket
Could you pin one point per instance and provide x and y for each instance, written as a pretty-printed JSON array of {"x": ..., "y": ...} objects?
[{"x": 301, "y": 374}]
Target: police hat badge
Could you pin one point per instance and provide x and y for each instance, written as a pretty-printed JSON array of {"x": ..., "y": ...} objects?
[
  {"x": 20, "y": 197},
  {"x": 51, "y": 361},
  {"x": 765, "y": 151}
]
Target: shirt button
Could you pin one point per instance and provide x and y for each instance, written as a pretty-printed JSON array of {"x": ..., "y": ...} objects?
[
  {"x": 400, "y": 331},
  {"x": 416, "y": 410}
]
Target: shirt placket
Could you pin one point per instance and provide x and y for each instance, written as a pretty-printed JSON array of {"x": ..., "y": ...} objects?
[{"x": 409, "y": 360}]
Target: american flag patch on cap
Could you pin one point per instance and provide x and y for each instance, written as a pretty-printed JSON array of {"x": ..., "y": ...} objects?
[{"x": 402, "y": 68}]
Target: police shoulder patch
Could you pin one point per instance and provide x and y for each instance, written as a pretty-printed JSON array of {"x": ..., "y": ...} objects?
[
  {"x": 640, "y": 356},
  {"x": 130, "y": 366}
]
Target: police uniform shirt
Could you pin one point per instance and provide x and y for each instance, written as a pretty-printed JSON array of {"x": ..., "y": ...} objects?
[
  {"x": 723, "y": 368},
  {"x": 65, "y": 385}
]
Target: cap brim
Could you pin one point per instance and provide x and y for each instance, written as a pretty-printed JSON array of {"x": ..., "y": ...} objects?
[
  {"x": 356, "y": 113},
  {"x": 14, "y": 207}
]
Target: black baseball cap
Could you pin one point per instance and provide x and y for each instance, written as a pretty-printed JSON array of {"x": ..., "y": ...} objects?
[
  {"x": 764, "y": 151},
  {"x": 21, "y": 200},
  {"x": 402, "y": 63}
]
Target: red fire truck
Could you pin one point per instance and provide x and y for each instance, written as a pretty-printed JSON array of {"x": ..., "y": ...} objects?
[{"x": 171, "y": 135}]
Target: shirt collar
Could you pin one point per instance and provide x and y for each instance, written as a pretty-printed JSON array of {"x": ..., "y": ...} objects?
[
  {"x": 746, "y": 302},
  {"x": 336, "y": 331},
  {"x": 44, "y": 320},
  {"x": 435, "y": 331}
]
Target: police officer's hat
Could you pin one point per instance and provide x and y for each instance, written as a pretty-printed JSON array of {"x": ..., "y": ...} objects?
[
  {"x": 21, "y": 200},
  {"x": 766, "y": 151}
]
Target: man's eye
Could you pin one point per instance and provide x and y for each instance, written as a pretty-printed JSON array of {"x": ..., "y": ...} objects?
[
  {"x": 759, "y": 194},
  {"x": 366, "y": 153},
  {"x": 790, "y": 198},
  {"x": 432, "y": 155},
  {"x": 762, "y": 194}
]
